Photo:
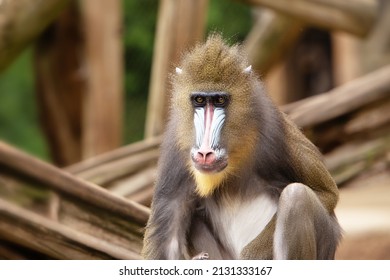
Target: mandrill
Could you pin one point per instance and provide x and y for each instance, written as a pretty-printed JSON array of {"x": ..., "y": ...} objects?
[{"x": 236, "y": 178}]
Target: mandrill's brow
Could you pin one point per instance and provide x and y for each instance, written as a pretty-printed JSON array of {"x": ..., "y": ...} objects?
[{"x": 217, "y": 98}]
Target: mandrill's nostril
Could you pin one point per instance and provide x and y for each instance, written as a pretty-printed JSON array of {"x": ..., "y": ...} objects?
[{"x": 205, "y": 156}]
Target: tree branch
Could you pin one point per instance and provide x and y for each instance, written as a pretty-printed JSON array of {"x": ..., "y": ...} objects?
[
  {"x": 353, "y": 16},
  {"x": 21, "y": 21},
  {"x": 340, "y": 100}
]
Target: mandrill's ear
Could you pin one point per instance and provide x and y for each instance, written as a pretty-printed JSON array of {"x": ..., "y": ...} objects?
[
  {"x": 178, "y": 71},
  {"x": 247, "y": 70}
]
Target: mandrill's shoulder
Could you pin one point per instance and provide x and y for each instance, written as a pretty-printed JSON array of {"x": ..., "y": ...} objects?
[{"x": 309, "y": 165}]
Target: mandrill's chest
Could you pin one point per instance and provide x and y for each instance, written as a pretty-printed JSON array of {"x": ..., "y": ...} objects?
[{"x": 237, "y": 222}]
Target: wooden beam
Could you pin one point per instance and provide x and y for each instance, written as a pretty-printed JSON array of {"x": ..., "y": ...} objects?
[
  {"x": 115, "y": 155},
  {"x": 370, "y": 118},
  {"x": 106, "y": 173},
  {"x": 350, "y": 159},
  {"x": 54, "y": 239},
  {"x": 103, "y": 103},
  {"x": 343, "y": 99},
  {"x": 21, "y": 21},
  {"x": 180, "y": 25},
  {"x": 270, "y": 39},
  {"x": 61, "y": 84},
  {"x": 82, "y": 206},
  {"x": 65, "y": 184},
  {"x": 353, "y": 16},
  {"x": 134, "y": 184}
]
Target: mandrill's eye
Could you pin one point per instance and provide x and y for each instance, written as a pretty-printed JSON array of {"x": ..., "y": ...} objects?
[
  {"x": 199, "y": 100},
  {"x": 220, "y": 101}
]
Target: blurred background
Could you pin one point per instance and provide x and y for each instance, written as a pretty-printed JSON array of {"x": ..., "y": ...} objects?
[
  {"x": 84, "y": 88},
  {"x": 21, "y": 119}
]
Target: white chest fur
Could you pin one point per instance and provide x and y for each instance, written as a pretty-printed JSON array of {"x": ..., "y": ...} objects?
[{"x": 240, "y": 222}]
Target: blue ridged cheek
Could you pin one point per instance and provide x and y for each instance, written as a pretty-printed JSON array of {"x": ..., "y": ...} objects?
[
  {"x": 217, "y": 124},
  {"x": 199, "y": 122}
]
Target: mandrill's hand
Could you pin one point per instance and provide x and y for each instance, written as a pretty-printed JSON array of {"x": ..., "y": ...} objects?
[{"x": 201, "y": 256}]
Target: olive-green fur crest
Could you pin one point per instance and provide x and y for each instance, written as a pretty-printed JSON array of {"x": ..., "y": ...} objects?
[{"x": 212, "y": 65}]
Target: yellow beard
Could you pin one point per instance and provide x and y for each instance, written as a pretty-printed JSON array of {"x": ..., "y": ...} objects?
[{"x": 207, "y": 183}]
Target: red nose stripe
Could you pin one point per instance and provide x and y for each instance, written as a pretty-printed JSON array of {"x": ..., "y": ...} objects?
[{"x": 206, "y": 154}]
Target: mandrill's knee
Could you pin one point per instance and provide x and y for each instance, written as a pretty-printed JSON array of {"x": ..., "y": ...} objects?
[
  {"x": 295, "y": 191},
  {"x": 298, "y": 199}
]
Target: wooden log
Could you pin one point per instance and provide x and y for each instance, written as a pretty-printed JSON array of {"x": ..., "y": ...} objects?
[
  {"x": 21, "y": 21},
  {"x": 97, "y": 222},
  {"x": 103, "y": 101},
  {"x": 114, "y": 155},
  {"x": 106, "y": 173},
  {"x": 137, "y": 173},
  {"x": 369, "y": 119},
  {"x": 367, "y": 122},
  {"x": 53, "y": 239},
  {"x": 350, "y": 96},
  {"x": 180, "y": 25},
  {"x": 143, "y": 196},
  {"x": 349, "y": 172},
  {"x": 349, "y": 160},
  {"x": 356, "y": 151},
  {"x": 60, "y": 85},
  {"x": 65, "y": 184},
  {"x": 353, "y": 16},
  {"x": 80, "y": 205},
  {"x": 28, "y": 196},
  {"x": 135, "y": 183},
  {"x": 270, "y": 39}
]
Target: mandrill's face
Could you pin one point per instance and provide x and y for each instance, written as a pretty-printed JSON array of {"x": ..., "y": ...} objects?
[{"x": 208, "y": 154}]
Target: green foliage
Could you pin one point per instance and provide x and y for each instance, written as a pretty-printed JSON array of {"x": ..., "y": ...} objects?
[
  {"x": 19, "y": 124},
  {"x": 231, "y": 18},
  {"x": 139, "y": 30},
  {"x": 18, "y": 113}
]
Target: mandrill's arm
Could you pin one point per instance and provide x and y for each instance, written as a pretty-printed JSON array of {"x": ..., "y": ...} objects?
[
  {"x": 307, "y": 161},
  {"x": 172, "y": 206}
]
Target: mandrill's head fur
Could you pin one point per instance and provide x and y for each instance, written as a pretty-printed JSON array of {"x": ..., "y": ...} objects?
[{"x": 207, "y": 71}]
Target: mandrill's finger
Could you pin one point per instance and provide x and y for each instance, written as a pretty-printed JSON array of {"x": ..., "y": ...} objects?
[{"x": 201, "y": 256}]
